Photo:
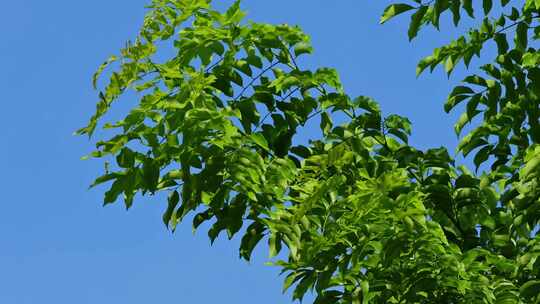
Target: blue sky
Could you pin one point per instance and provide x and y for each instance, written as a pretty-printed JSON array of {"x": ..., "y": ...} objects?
[{"x": 58, "y": 245}]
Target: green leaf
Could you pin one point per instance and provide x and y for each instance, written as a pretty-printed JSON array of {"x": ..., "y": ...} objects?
[
  {"x": 394, "y": 10},
  {"x": 453, "y": 101},
  {"x": 487, "y": 5},
  {"x": 301, "y": 151},
  {"x": 482, "y": 155},
  {"x": 531, "y": 60},
  {"x": 522, "y": 36},
  {"x": 532, "y": 166},
  {"x": 150, "y": 174},
  {"x": 502, "y": 43},
  {"x": 116, "y": 189},
  {"x": 416, "y": 21},
  {"x": 254, "y": 234},
  {"x": 126, "y": 158},
  {"x": 102, "y": 67},
  {"x": 467, "y": 5},
  {"x": 456, "y": 11},
  {"x": 307, "y": 282},
  {"x": 530, "y": 289},
  {"x": 365, "y": 291},
  {"x": 449, "y": 65},
  {"x": 367, "y": 104},
  {"x": 463, "y": 120},
  {"x": 255, "y": 61},
  {"x": 243, "y": 66},
  {"x": 460, "y": 90},
  {"x": 260, "y": 140},
  {"x": 292, "y": 278},
  {"x": 326, "y": 123},
  {"x": 105, "y": 178},
  {"x": 274, "y": 245},
  {"x": 302, "y": 48},
  {"x": 233, "y": 13},
  {"x": 173, "y": 200}
]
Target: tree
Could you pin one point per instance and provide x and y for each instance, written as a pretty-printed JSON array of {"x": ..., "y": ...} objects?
[{"x": 363, "y": 216}]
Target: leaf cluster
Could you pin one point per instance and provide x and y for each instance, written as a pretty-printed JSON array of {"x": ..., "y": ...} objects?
[{"x": 362, "y": 216}]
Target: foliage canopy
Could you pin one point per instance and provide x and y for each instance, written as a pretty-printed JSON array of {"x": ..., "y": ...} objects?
[{"x": 363, "y": 216}]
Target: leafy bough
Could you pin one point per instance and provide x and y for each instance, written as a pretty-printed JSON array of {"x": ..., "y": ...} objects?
[{"x": 363, "y": 216}]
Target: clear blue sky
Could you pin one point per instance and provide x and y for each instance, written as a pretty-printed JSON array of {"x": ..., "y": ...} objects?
[{"x": 58, "y": 245}]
